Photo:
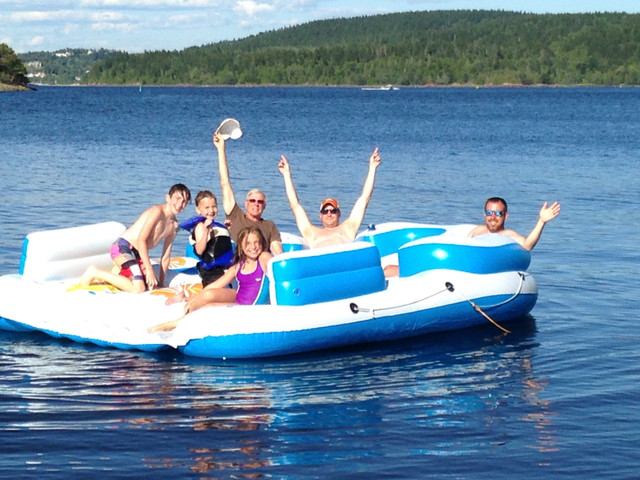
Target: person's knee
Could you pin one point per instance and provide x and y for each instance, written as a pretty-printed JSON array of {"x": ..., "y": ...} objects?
[
  {"x": 139, "y": 286},
  {"x": 210, "y": 295},
  {"x": 391, "y": 271}
]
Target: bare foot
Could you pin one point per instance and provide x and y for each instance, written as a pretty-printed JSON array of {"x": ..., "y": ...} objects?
[
  {"x": 164, "y": 327},
  {"x": 87, "y": 276},
  {"x": 178, "y": 297}
]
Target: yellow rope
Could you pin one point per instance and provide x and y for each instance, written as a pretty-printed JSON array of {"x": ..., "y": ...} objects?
[{"x": 479, "y": 310}]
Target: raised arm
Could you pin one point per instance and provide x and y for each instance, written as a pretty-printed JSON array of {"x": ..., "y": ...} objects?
[
  {"x": 546, "y": 214},
  {"x": 360, "y": 207},
  {"x": 228, "y": 197},
  {"x": 302, "y": 219}
]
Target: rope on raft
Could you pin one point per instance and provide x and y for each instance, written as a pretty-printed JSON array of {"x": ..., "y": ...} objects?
[
  {"x": 356, "y": 309},
  {"x": 450, "y": 288}
]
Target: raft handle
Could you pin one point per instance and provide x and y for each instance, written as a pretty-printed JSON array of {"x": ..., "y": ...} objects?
[{"x": 355, "y": 309}]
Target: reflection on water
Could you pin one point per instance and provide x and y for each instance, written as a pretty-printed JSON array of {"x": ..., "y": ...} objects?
[
  {"x": 462, "y": 405},
  {"x": 541, "y": 417},
  {"x": 266, "y": 417}
]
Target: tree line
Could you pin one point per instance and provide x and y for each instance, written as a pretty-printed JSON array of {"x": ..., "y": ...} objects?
[
  {"x": 461, "y": 47},
  {"x": 62, "y": 67},
  {"x": 471, "y": 47},
  {"x": 12, "y": 71}
]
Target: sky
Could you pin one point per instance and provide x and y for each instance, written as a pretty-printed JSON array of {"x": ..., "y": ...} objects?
[{"x": 146, "y": 25}]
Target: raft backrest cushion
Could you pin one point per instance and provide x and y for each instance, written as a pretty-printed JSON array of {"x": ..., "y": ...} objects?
[
  {"x": 389, "y": 241},
  {"x": 325, "y": 274},
  {"x": 492, "y": 253},
  {"x": 65, "y": 253}
]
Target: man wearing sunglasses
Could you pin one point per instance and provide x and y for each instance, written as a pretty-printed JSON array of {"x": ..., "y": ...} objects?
[
  {"x": 495, "y": 214},
  {"x": 332, "y": 231},
  {"x": 254, "y": 204}
]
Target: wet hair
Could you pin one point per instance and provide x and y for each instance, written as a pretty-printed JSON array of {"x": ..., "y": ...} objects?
[
  {"x": 496, "y": 200},
  {"x": 256, "y": 190},
  {"x": 242, "y": 236},
  {"x": 183, "y": 189},
  {"x": 202, "y": 194}
]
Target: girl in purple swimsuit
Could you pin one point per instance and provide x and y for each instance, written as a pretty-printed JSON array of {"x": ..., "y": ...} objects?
[{"x": 250, "y": 265}]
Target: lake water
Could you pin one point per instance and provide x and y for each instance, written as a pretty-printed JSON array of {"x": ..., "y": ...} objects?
[{"x": 557, "y": 398}]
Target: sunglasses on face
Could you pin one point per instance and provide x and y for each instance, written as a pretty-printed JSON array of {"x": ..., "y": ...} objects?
[
  {"x": 324, "y": 211},
  {"x": 256, "y": 200},
  {"x": 497, "y": 213}
]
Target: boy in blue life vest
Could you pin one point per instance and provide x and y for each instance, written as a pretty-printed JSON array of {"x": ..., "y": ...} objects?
[{"x": 210, "y": 240}]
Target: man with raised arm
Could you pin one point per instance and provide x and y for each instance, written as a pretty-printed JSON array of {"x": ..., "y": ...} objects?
[
  {"x": 332, "y": 231},
  {"x": 255, "y": 203},
  {"x": 495, "y": 214}
]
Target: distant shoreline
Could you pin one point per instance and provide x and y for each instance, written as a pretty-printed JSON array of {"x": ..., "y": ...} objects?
[{"x": 4, "y": 87}]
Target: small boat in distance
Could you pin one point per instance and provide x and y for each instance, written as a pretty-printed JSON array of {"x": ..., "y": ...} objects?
[{"x": 384, "y": 87}]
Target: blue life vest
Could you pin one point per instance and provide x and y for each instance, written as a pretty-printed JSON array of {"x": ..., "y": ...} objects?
[{"x": 219, "y": 249}]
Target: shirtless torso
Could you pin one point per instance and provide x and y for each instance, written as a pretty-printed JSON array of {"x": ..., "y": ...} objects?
[
  {"x": 160, "y": 226},
  {"x": 322, "y": 237},
  {"x": 482, "y": 230},
  {"x": 156, "y": 224},
  {"x": 332, "y": 231}
]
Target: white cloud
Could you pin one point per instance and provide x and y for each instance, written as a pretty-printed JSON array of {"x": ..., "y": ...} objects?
[
  {"x": 185, "y": 18},
  {"x": 37, "y": 40},
  {"x": 149, "y": 3},
  {"x": 43, "y": 16},
  {"x": 111, "y": 26},
  {"x": 251, "y": 8},
  {"x": 70, "y": 28},
  {"x": 106, "y": 16}
]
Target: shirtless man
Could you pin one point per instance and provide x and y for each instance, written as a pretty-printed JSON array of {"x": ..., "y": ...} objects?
[
  {"x": 255, "y": 203},
  {"x": 332, "y": 231},
  {"x": 495, "y": 214},
  {"x": 130, "y": 253}
]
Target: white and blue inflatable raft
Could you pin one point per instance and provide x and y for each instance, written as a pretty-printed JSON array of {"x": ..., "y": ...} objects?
[{"x": 317, "y": 299}]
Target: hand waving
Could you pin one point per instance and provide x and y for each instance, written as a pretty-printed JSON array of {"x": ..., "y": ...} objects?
[{"x": 549, "y": 213}]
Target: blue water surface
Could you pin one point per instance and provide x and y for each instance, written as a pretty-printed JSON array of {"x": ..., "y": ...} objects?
[{"x": 557, "y": 398}]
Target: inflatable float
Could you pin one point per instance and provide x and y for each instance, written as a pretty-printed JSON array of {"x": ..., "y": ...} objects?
[{"x": 317, "y": 299}]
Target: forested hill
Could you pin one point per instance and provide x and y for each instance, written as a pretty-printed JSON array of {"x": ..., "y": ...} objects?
[
  {"x": 63, "y": 67},
  {"x": 12, "y": 70},
  {"x": 414, "y": 48}
]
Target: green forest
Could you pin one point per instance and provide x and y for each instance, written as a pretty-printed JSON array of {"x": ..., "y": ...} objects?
[
  {"x": 415, "y": 48},
  {"x": 13, "y": 73},
  {"x": 62, "y": 67},
  {"x": 462, "y": 47}
]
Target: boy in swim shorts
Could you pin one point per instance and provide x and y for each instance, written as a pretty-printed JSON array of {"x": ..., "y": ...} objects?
[
  {"x": 130, "y": 253},
  {"x": 127, "y": 258}
]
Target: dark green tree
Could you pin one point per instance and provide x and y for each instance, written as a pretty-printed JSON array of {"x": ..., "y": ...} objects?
[
  {"x": 467, "y": 47},
  {"x": 12, "y": 70}
]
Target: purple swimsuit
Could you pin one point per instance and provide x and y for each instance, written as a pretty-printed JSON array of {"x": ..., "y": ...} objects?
[{"x": 249, "y": 285}]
